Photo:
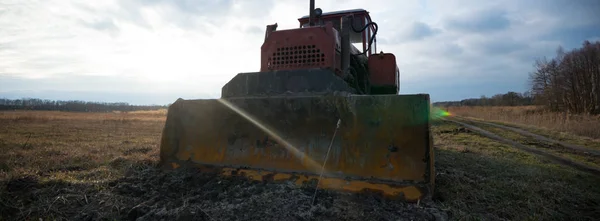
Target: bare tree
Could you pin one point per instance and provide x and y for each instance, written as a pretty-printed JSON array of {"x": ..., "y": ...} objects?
[{"x": 569, "y": 82}]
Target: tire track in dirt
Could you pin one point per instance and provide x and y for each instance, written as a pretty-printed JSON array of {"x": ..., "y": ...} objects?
[
  {"x": 553, "y": 157},
  {"x": 538, "y": 137}
]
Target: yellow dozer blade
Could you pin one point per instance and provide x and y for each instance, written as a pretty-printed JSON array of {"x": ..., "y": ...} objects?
[{"x": 383, "y": 142}]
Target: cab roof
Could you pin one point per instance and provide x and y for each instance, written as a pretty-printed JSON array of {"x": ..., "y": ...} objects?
[{"x": 358, "y": 10}]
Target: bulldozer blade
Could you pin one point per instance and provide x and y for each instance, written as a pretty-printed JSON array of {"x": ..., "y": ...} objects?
[{"x": 383, "y": 142}]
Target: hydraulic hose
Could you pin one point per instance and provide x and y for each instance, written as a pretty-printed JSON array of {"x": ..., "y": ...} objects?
[{"x": 375, "y": 28}]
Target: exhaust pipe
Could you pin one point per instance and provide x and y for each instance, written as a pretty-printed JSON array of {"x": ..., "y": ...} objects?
[
  {"x": 311, "y": 14},
  {"x": 345, "y": 47}
]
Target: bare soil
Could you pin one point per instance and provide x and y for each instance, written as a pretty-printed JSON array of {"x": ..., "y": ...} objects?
[{"x": 147, "y": 193}]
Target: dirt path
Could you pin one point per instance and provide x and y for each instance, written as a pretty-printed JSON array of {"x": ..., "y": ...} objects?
[
  {"x": 558, "y": 159},
  {"x": 538, "y": 137}
]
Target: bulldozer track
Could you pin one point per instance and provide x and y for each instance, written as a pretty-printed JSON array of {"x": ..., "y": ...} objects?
[
  {"x": 558, "y": 159},
  {"x": 538, "y": 137}
]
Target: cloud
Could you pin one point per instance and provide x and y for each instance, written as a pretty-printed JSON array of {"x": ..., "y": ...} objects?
[
  {"x": 253, "y": 30},
  {"x": 415, "y": 31},
  {"x": 420, "y": 30},
  {"x": 451, "y": 49},
  {"x": 484, "y": 21},
  {"x": 492, "y": 45},
  {"x": 104, "y": 25},
  {"x": 574, "y": 36}
]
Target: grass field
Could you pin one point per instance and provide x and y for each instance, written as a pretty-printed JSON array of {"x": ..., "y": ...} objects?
[
  {"x": 55, "y": 144},
  {"x": 59, "y": 165},
  {"x": 551, "y": 147},
  {"x": 528, "y": 116}
]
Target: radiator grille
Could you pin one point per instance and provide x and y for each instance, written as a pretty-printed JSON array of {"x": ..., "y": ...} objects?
[{"x": 297, "y": 56}]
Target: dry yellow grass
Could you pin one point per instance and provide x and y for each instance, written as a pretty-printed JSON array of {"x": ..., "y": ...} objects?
[
  {"x": 96, "y": 166},
  {"x": 582, "y": 125},
  {"x": 46, "y": 116},
  {"x": 57, "y": 143}
]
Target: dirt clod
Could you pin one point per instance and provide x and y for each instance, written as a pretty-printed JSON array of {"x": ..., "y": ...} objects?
[
  {"x": 22, "y": 184},
  {"x": 139, "y": 150},
  {"x": 462, "y": 130},
  {"x": 148, "y": 193}
]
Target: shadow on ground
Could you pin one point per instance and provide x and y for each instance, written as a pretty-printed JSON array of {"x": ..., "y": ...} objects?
[{"x": 147, "y": 193}]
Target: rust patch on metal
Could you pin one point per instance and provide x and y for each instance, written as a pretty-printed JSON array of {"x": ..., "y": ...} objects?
[
  {"x": 409, "y": 192},
  {"x": 397, "y": 150}
]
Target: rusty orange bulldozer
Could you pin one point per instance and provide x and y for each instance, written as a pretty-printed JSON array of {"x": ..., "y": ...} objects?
[{"x": 319, "y": 111}]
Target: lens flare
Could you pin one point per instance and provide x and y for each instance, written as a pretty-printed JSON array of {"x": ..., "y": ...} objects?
[
  {"x": 438, "y": 113},
  {"x": 312, "y": 164}
]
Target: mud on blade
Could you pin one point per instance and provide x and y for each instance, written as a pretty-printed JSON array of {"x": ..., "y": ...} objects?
[{"x": 383, "y": 143}]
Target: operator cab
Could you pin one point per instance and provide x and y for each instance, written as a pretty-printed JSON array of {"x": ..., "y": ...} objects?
[{"x": 361, "y": 18}]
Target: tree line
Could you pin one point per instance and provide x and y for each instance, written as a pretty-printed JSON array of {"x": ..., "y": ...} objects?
[
  {"x": 569, "y": 82},
  {"x": 73, "y": 105},
  {"x": 508, "y": 99}
]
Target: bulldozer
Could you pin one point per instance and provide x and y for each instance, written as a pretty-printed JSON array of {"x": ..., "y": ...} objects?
[{"x": 325, "y": 109}]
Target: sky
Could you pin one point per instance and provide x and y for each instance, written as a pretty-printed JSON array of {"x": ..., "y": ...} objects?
[{"x": 155, "y": 51}]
